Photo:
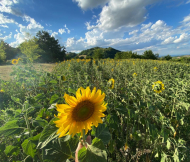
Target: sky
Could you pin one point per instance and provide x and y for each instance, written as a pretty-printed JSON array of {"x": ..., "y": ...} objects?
[{"x": 162, "y": 26}]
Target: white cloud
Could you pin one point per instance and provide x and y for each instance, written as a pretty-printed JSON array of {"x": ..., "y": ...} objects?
[
  {"x": 33, "y": 27},
  {"x": 6, "y": 37},
  {"x": 183, "y": 38},
  {"x": 86, "y": 4},
  {"x": 5, "y": 20},
  {"x": 168, "y": 40},
  {"x": 133, "y": 32},
  {"x": 54, "y": 34},
  {"x": 119, "y": 13},
  {"x": 68, "y": 31},
  {"x": 8, "y": 7},
  {"x": 90, "y": 27},
  {"x": 188, "y": 1},
  {"x": 61, "y": 31},
  {"x": 145, "y": 26},
  {"x": 4, "y": 26},
  {"x": 186, "y": 19}
]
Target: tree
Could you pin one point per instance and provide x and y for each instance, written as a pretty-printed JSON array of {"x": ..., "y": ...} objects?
[
  {"x": 148, "y": 54},
  {"x": 52, "y": 50},
  {"x": 2, "y": 52},
  {"x": 168, "y": 57},
  {"x": 31, "y": 49},
  {"x": 98, "y": 54}
]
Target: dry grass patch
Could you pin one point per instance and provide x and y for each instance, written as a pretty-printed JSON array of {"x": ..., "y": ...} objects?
[{"x": 7, "y": 69}]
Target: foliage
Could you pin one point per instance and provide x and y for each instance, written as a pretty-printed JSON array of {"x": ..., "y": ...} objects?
[
  {"x": 2, "y": 52},
  {"x": 140, "y": 125},
  {"x": 31, "y": 49},
  {"x": 52, "y": 50},
  {"x": 148, "y": 54}
]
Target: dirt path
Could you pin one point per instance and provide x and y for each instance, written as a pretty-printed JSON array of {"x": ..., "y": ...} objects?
[{"x": 7, "y": 69}]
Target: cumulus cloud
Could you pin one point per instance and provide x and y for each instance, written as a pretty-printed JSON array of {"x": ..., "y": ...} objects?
[
  {"x": 133, "y": 32},
  {"x": 68, "y": 31},
  {"x": 6, "y": 37},
  {"x": 33, "y": 27},
  {"x": 4, "y": 26},
  {"x": 89, "y": 4},
  {"x": 8, "y": 7},
  {"x": 5, "y": 20},
  {"x": 119, "y": 13},
  {"x": 168, "y": 40},
  {"x": 186, "y": 19},
  {"x": 183, "y": 38},
  {"x": 61, "y": 31}
]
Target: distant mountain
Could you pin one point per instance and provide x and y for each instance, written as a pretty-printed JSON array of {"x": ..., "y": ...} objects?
[{"x": 107, "y": 52}]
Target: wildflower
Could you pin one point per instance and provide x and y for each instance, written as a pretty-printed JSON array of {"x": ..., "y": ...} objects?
[
  {"x": 111, "y": 83},
  {"x": 158, "y": 86},
  {"x": 134, "y": 74},
  {"x": 133, "y": 63},
  {"x": 14, "y": 61},
  {"x": 126, "y": 146},
  {"x": 81, "y": 112},
  {"x": 63, "y": 78},
  {"x": 131, "y": 136},
  {"x": 112, "y": 69},
  {"x": 2, "y": 91},
  {"x": 155, "y": 68},
  {"x": 175, "y": 134}
]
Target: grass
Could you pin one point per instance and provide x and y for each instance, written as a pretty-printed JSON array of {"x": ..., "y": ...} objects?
[{"x": 7, "y": 69}]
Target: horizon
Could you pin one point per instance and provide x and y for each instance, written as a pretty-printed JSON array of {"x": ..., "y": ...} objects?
[{"x": 162, "y": 26}]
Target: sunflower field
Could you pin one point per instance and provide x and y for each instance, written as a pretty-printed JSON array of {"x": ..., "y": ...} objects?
[{"x": 120, "y": 110}]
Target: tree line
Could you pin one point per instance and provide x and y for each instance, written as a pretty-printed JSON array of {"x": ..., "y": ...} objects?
[{"x": 41, "y": 48}]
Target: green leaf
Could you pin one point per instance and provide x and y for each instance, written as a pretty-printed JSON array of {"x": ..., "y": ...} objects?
[
  {"x": 29, "y": 148},
  {"x": 10, "y": 128},
  {"x": 93, "y": 153},
  {"x": 70, "y": 90},
  {"x": 39, "y": 122},
  {"x": 54, "y": 98},
  {"x": 163, "y": 157},
  {"x": 102, "y": 132},
  {"x": 57, "y": 150},
  {"x": 48, "y": 134},
  {"x": 12, "y": 150},
  {"x": 17, "y": 100},
  {"x": 53, "y": 81},
  {"x": 122, "y": 110},
  {"x": 168, "y": 144}
]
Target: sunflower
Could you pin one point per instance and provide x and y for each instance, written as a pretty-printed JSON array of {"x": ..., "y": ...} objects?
[
  {"x": 2, "y": 91},
  {"x": 63, "y": 78},
  {"x": 80, "y": 113},
  {"x": 111, "y": 83},
  {"x": 14, "y": 61},
  {"x": 134, "y": 74},
  {"x": 155, "y": 68},
  {"x": 158, "y": 86}
]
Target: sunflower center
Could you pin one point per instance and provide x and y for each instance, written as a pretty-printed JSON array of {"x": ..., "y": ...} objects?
[{"x": 83, "y": 111}]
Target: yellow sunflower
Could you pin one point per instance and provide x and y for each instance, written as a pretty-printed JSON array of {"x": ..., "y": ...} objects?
[
  {"x": 80, "y": 113},
  {"x": 158, "y": 87},
  {"x": 14, "y": 61},
  {"x": 111, "y": 83},
  {"x": 63, "y": 78},
  {"x": 2, "y": 91},
  {"x": 155, "y": 68},
  {"x": 134, "y": 74}
]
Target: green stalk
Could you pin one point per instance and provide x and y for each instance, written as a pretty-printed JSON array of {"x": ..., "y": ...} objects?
[{"x": 28, "y": 127}]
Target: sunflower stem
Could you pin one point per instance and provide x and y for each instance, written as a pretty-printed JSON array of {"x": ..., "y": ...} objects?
[{"x": 84, "y": 137}]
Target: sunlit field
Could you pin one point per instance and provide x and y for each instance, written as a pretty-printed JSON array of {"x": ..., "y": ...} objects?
[{"x": 146, "y": 117}]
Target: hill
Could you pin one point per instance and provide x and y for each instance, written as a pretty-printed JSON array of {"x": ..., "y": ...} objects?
[{"x": 107, "y": 52}]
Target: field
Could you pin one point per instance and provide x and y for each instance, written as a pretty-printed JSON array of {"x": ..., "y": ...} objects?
[{"x": 146, "y": 117}]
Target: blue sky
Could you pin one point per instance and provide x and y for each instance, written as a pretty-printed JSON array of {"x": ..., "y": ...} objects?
[{"x": 138, "y": 25}]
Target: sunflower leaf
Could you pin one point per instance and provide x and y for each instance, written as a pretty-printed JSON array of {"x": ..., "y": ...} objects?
[
  {"x": 102, "y": 132},
  {"x": 29, "y": 148},
  {"x": 94, "y": 153},
  {"x": 10, "y": 128},
  {"x": 54, "y": 98}
]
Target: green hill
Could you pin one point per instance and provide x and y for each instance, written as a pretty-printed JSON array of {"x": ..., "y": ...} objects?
[{"x": 107, "y": 52}]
